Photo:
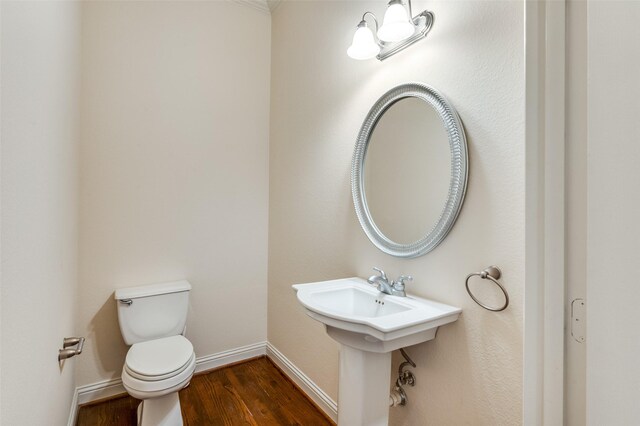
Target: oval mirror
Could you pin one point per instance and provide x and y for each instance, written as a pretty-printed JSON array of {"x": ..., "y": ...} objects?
[{"x": 409, "y": 170}]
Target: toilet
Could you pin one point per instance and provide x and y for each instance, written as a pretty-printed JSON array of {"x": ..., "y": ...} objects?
[{"x": 160, "y": 360}]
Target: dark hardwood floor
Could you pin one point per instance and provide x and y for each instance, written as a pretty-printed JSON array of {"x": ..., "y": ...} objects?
[{"x": 255, "y": 392}]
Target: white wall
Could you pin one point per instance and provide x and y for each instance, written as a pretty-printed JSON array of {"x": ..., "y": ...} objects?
[
  {"x": 613, "y": 207},
  {"x": 40, "y": 74},
  {"x": 174, "y": 168},
  {"x": 472, "y": 372}
]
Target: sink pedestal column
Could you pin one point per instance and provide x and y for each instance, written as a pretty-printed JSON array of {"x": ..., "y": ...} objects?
[{"x": 363, "y": 393}]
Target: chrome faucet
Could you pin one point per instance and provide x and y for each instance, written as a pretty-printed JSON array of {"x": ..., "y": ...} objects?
[
  {"x": 395, "y": 288},
  {"x": 381, "y": 281}
]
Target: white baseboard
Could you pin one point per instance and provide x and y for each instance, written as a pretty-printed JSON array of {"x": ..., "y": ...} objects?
[
  {"x": 108, "y": 388},
  {"x": 220, "y": 359},
  {"x": 307, "y": 385},
  {"x": 99, "y": 390}
]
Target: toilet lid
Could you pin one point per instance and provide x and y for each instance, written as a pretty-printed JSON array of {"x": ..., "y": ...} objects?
[{"x": 159, "y": 357}]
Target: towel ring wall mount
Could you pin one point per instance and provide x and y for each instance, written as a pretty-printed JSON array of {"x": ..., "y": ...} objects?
[{"x": 492, "y": 273}]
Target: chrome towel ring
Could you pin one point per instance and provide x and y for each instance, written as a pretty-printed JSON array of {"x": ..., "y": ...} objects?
[{"x": 492, "y": 273}]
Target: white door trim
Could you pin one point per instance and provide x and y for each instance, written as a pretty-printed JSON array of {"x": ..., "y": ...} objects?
[{"x": 543, "y": 376}]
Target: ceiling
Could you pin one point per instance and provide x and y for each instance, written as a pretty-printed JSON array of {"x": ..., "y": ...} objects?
[{"x": 267, "y": 6}]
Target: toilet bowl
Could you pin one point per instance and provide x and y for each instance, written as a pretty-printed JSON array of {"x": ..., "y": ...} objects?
[{"x": 160, "y": 361}]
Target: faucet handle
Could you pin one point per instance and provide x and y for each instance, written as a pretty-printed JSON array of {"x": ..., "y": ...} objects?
[
  {"x": 399, "y": 284},
  {"x": 382, "y": 274}
]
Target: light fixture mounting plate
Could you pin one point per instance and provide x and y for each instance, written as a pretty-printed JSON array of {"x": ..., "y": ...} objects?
[{"x": 423, "y": 23}]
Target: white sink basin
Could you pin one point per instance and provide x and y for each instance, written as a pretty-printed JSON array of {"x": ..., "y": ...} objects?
[{"x": 356, "y": 314}]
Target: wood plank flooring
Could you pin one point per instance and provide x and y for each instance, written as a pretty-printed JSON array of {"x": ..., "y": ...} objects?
[{"x": 254, "y": 393}]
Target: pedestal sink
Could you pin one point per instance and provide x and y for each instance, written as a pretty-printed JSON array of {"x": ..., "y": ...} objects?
[{"x": 369, "y": 325}]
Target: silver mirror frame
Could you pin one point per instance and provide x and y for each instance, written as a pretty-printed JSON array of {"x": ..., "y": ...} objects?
[{"x": 457, "y": 183}]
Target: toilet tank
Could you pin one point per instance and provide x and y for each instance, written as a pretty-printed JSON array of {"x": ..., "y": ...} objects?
[{"x": 152, "y": 311}]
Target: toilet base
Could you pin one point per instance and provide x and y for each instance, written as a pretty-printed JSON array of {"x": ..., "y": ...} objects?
[{"x": 162, "y": 411}]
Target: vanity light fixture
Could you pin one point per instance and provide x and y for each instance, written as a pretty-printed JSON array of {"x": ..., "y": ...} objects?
[
  {"x": 396, "y": 25},
  {"x": 399, "y": 30}
]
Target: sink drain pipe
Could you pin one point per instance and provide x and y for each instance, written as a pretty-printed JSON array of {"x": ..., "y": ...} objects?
[{"x": 398, "y": 396}]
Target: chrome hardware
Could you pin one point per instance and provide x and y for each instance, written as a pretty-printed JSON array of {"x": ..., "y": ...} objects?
[
  {"x": 398, "y": 397},
  {"x": 68, "y": 342},
  {"x": 398, "y": 285},
  {"x": 492, "y": 273},
  {"x": 126, "y": 301},
  {"x": 382, "y": 274},
  {"x": 405, "y": 377},
  {"x": 381, "y": 281},
  {"x": 393, "y": 288}
]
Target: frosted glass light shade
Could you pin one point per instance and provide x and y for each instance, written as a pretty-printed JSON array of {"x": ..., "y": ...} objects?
[
  {"x": 396, "y": 25},
  {"x": 364, "y": 45}
]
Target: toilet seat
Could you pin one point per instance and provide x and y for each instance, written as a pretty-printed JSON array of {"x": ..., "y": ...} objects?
[
  {"x": 139, "y": 376},
  {"x": 158, "y": 367},
  {"x": 159, "y": 359}
]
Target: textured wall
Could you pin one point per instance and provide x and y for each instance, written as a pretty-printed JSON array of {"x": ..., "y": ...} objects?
[
  {"x": 613, "y": 208},
  {"x": 174, "y": 168},
  {"x": 40, "y": 83},
  {"x": 472, "y": 372}
]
